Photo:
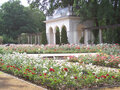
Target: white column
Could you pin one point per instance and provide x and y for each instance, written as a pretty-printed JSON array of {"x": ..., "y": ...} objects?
[
  {"x": 31, "y": 39},
  {"x": 35, "y": 39},
  {"x": 60, "y": 33},
  {"x": 48, "y": 37},
  {"x": 28, "y": 39},
  {"x": 100, "y": 36},
  {"x": 75, "y": 37},
  {"x": 38, "y": 39},
  {"x": 54, "y": 37},
  {"x": 86, "y": 37}
]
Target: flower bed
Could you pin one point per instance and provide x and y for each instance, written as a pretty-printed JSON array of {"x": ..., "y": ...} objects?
[
  {"x": 33, "y": 49},
  {"x": 58, "y": 75},
  {"x": 48, "y": 49},
  {"x": 101, "y": 60}
]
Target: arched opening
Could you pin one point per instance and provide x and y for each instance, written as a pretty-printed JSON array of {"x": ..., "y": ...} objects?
[
  {"x": 51, "y": 38},
  {"x": 57, "y": 35},
  {"x": 64, "y": 38}
]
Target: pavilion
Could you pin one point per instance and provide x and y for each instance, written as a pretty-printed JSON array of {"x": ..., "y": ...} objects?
[{"x": 65, "y": 18}]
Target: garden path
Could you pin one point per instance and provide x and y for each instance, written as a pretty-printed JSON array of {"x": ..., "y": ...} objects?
[
  {"x": 8, "y": 82},
  {"x": 60, "y": 54}
]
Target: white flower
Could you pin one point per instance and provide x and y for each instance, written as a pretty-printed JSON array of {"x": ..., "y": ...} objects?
[
  {"x": 44, "y": 71},
  {"x": 72, "y": 77},
  {"x": 106, "y": 62},
  {"x": 65, "y": 74},
  {"x": 118, "y": 65}
]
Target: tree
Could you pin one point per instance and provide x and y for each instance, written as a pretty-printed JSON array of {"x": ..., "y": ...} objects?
[
  {"x": 13, "y": 16},
  {"x": 64, "y": 39},
  {"x": 37, "y": 17},
  {"x": 53, "y": 4},
  {"x": 44, "y": 38},
  {"x": 1, "y": 22},
  {"x": 16, "y": 19},
  {"x": 57, "y": 36}
]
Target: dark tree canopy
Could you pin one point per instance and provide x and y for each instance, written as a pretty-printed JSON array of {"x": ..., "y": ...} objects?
[{"x": 16, "y": 19}]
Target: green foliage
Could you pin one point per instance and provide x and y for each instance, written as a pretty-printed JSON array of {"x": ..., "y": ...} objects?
[
  {"x": 1, "y": 39},
  {"x": 7, "y": 39},
  {"x": 44, "y": 38},
  {"x": 82, "y": 40},
  {"x": 64, "y": 39},
  {"x": 16, "y": 19},
  {"x": 57, "y": 36}
]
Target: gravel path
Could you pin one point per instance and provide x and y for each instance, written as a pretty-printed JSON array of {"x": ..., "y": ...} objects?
[{"x": 8, "y": 82}]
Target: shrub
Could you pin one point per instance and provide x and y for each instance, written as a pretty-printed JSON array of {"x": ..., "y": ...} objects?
[
  {"x": 64, "y": 39},
  {"x": 57, "y": 37},
  {"x": 7, "y": 39},
  {"x": 1, "y": 39},
  {"x": 82, "y": 40},
  {"x": 44, "y": 38}
]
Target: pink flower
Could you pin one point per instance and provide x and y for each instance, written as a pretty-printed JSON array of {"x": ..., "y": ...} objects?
[{"x": 107, "y": 74}]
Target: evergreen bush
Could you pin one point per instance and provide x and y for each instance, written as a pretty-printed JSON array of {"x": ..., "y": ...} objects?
[
  {"x": 64, "y": 39},
  {"x": 1, "y": 39},
  {"x": 44, "y": 38},
  {"x": 57, "y": 36}
]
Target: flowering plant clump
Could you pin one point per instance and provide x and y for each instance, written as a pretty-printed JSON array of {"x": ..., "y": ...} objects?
[
  {"x": 58, "y": 74},
  {"x": 111, "y": 49},
  {"x": 49, "y": 49},
  {"x": 102, "y": 60},
  {"x": 72, "y": 59}
]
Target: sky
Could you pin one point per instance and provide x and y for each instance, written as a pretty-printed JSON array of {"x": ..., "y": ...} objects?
[{"x": 24, "y": 2}]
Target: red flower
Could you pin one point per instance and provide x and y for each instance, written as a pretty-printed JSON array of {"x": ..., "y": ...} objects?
[
  {"x": 113, "y": 76},
  {"x": 34, "y": 69},
  {"x": 45, "y": 74},
  {"x": 77, "y": 48},
  {"x": 40, "y": 74},
  {"x": 10, "y": 68},
  {"x": 66, "y": 69},
  {"x": 107, "y": 74},
  {"x": 98, "y": 77},
  {"x": 93, "y": 73},
  {"x": 75, "y": 77},
  {"x": 51, "y": 70},
  {"x": 27, "y": 69},
  {"x": 33, "y": 73},
  {"x": 14, "y": 67},
  {"x": 102, "y": 76},
  {"x": 7, "y": 66},
  {"x": 95, "y": 76},
  {"x": 18, "y": 69},
  {"x": 25, "y": 73}
]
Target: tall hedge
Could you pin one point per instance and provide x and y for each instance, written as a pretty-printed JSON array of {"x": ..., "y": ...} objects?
[
  {"x": 44, "y": 38},
  {"x": 1, "y": 39},
  {"x": 57, "y": 36},
  {"x": 64, "y": 39}
]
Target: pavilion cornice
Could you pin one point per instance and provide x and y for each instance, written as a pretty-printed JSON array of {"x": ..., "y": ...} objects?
[{"x": 61, "y": 18}]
